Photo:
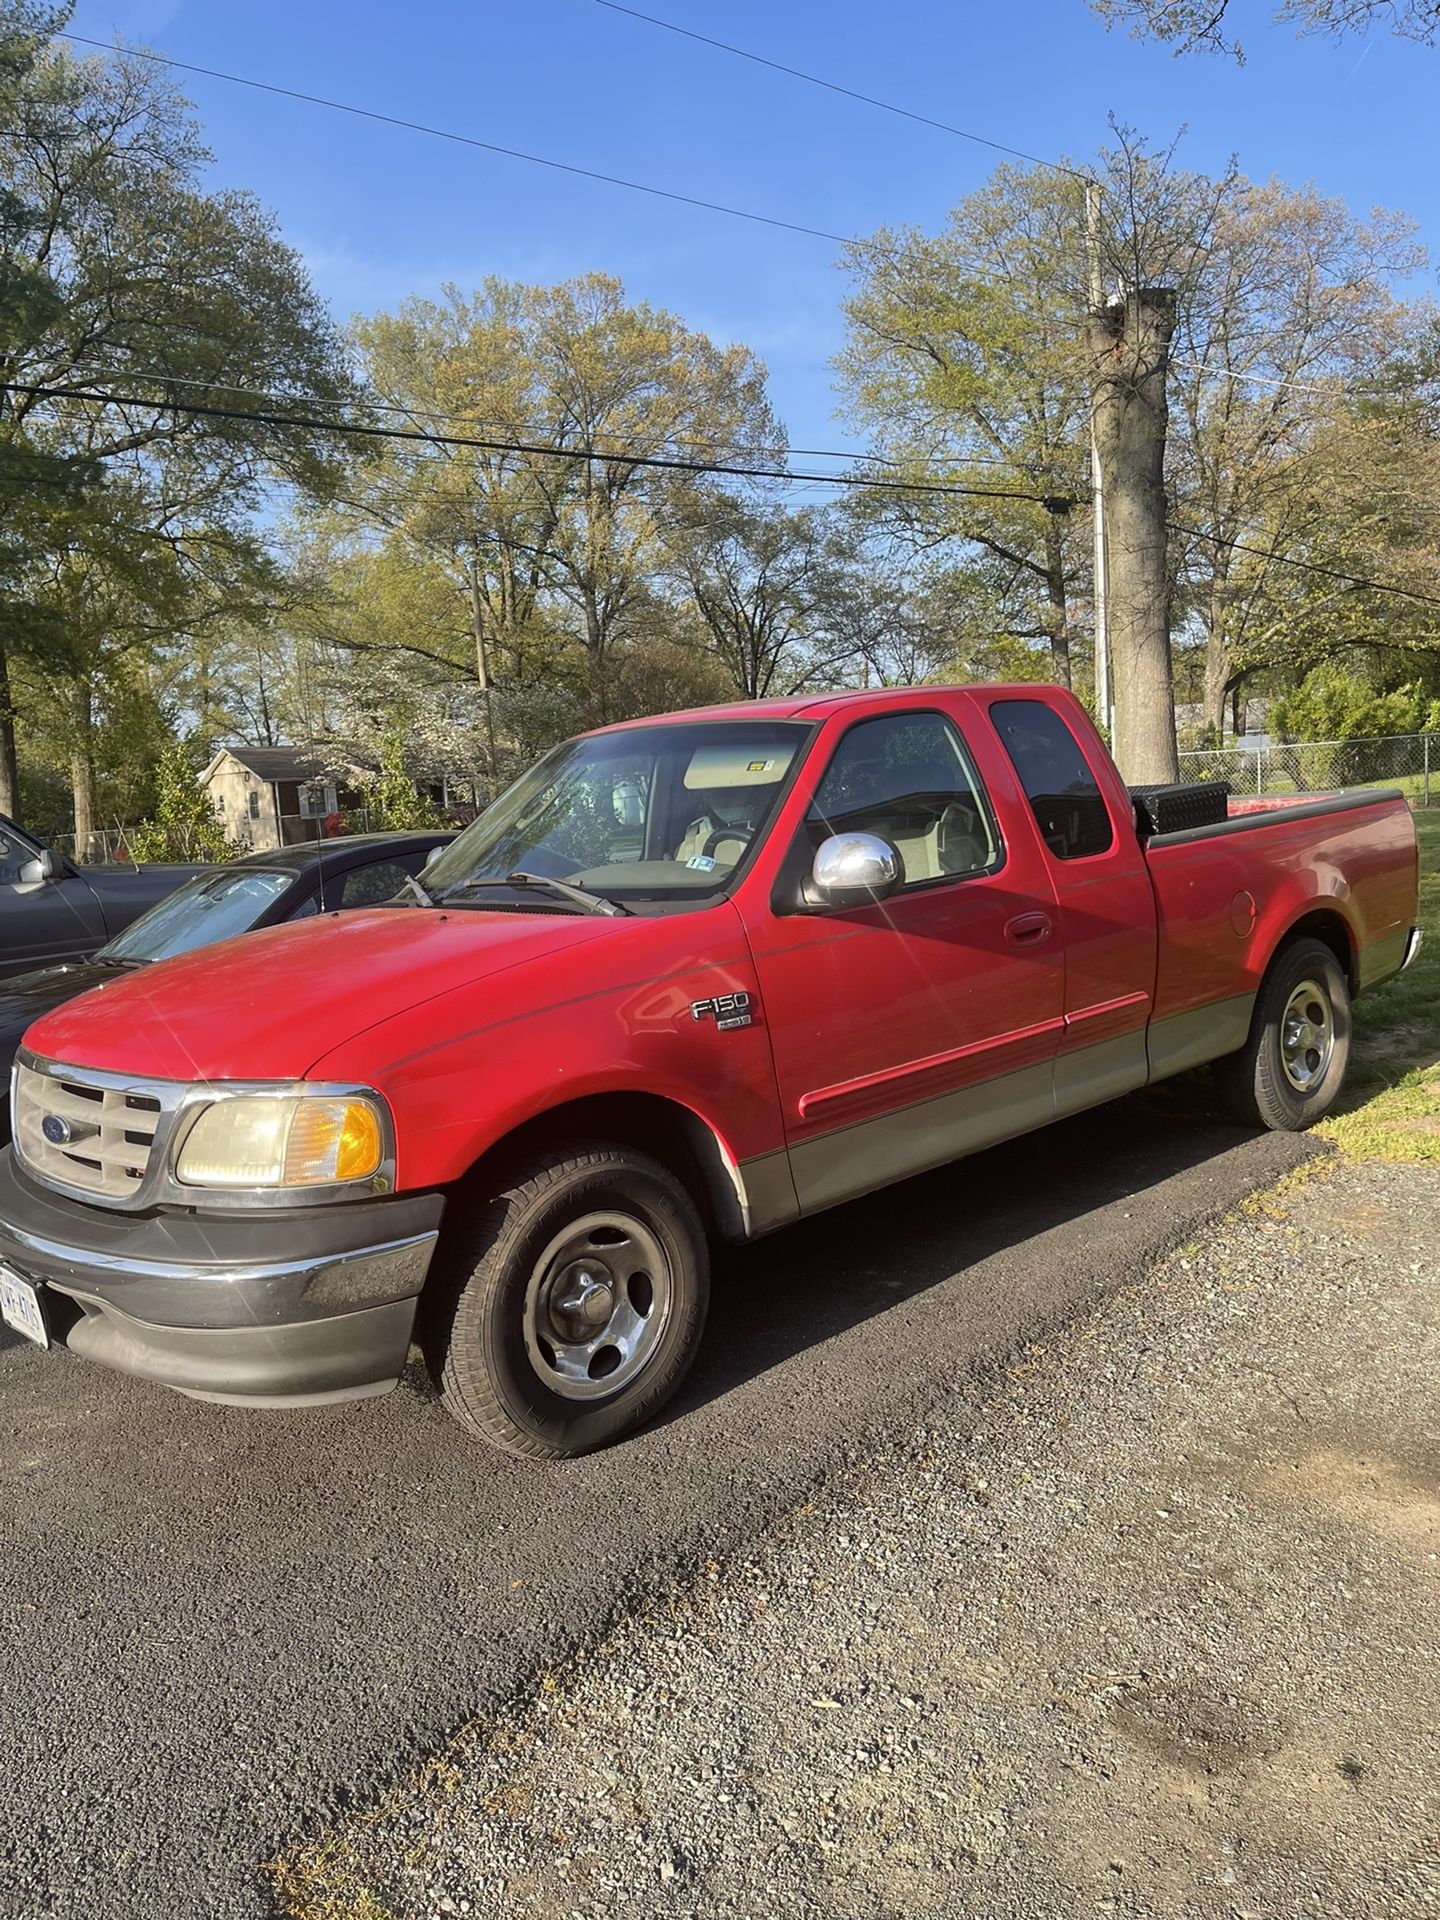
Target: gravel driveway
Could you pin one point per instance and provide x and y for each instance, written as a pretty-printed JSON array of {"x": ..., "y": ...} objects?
[
  {"x": 220, "y": 1628},
  {"x": 1150, "y": 1630}
]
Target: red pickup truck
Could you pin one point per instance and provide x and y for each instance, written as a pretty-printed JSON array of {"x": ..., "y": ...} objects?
[{"x": 690, "y": 978}]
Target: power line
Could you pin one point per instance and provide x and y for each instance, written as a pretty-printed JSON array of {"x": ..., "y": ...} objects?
[
  {"x": 850, "y": 93},
  {"x": 1269, "y": 380},
  {"x": 1061, "y": 502},
  {"x": 370, "y": 405},
  {"x": 363, "y": 430},
  {"x": 469, "y": 140},
  {"x": 1309, "y": 566}
]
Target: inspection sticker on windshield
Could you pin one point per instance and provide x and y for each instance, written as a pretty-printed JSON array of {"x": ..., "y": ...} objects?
[
  {"x": 727, "y": 1010},
  {"x": 20, "y": 1307}
]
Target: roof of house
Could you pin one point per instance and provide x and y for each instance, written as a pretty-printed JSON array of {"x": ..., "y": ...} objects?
[{"x": 273, "y": 765}]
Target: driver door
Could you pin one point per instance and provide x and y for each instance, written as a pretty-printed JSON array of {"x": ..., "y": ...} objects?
[
  {"x": 916, "y": 1028},
  {"x": 42, "y": 921}
]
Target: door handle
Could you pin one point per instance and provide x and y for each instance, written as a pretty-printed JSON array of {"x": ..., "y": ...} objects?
[{"x": 1028, "y": 929}]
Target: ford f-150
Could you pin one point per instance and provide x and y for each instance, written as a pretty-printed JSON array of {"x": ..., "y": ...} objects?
[{"x": 690, "y": 979}]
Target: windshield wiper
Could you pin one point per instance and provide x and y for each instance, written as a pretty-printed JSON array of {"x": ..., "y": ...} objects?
[{"x": 591, "y": 902}]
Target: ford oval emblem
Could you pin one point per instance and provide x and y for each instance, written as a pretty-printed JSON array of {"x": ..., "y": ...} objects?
[{"x": 56, "y": 1130}]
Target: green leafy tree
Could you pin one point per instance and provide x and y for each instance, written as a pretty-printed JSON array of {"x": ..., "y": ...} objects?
[
  {"x": 1334, "y": 703},
  {"x": 764, "y": 583},
  {"x": 534, "y": 568},
  {"x": 37, "y": 487},
  {"x": 963, "y": 361},
  {"x": 165, "y": 293},
  {"x": 185, "y": 825},
  {"x": 392, "y": 799}
]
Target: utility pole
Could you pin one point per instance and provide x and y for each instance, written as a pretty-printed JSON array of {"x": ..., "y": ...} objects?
[
  {"x": 1101, "y": 600},
  {"x": 1129, "y": 345},
  {"x": 482, "y": 674}
]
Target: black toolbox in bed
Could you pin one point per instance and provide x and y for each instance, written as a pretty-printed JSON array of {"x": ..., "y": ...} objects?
[{"x": 1179, "y": 807}]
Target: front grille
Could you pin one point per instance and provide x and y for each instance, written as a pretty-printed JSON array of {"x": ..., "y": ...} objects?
[{"x": 107, "y": 1133}]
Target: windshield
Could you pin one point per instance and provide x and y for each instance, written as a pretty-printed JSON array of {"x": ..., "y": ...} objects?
[
  {"x": 211, "y": 907},
  {"x": 648, "y": 813}
]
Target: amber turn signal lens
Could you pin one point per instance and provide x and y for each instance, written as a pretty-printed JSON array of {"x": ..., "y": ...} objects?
[
  {"x": 358, "y": 1153},
  {"x": 331, "y": 1140}
]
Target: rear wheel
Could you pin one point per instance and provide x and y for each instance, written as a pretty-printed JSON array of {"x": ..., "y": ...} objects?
[
  {"x": 1291, "y": 1069},
  {"x": 571, "y": 1311}
]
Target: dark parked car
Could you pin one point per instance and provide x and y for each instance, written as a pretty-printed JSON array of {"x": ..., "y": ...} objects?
[
  {"x": 51, "y": 910},
  {"x": 216, "y": 903}
]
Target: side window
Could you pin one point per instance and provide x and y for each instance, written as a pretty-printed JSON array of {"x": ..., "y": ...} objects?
[
  {"x": 1064, "y": 795},
  {"x": 908, "y": 778},
  {"x": 310, "y": 904},
  {"x": 368, "y": 886}
]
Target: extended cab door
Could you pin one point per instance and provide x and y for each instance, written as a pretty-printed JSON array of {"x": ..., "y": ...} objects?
[
  {"x": 42, "y": 921},
  {"x": 910, "y": 1030},
  {"x": 1085, "y": 823}
]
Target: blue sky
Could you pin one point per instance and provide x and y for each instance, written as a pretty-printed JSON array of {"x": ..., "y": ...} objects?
[{"x": 379, "y": 213}]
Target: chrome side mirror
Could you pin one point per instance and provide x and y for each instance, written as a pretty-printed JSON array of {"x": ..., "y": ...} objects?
[
  {"x": 45, "y": 866},
  {"x": 853, "y": 869}
]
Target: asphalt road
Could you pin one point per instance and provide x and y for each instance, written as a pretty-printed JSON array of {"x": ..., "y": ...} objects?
[{"x": 217, "y": 1627}]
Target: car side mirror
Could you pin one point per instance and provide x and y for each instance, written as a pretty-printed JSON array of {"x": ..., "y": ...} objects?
[
  {"x": 45, "y": 866},
  {"x": 853, "y": 870}
]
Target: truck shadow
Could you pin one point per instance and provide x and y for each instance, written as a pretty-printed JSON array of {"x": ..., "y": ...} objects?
[{"x": 830, "y": 1274}]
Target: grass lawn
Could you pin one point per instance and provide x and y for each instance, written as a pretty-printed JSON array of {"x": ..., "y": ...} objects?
[{"x": 1391, "y": 1106}]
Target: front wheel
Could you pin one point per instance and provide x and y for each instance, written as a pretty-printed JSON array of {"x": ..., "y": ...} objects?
[
  {"x": 1290, "y": 1071},
  {"x": 571, "y": 1311}
]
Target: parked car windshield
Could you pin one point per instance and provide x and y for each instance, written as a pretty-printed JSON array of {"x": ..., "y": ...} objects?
[
  {"x": 644, "y": 813},
  {"x": 211, "y": 907}
]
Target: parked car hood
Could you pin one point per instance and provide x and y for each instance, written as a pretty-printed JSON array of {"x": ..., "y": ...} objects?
[
  {"x": 25, "y": 996},
  {"x": 269, "y": 1004}
]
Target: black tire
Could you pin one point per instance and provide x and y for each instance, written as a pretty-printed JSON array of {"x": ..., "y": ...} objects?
[
  {"x": 1277, "y": 1080},
  {"x": 509, "y": 1362}
]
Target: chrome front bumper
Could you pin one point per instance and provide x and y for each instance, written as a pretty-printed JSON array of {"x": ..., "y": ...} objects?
[
  {"x": 276, "y": 1309},
  {"x": 1412, "y": 946}
]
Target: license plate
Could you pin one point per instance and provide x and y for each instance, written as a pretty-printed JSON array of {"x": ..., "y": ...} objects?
[{"x": 20, "y": 1307}]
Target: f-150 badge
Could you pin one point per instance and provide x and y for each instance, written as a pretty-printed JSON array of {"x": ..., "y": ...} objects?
[{"x": 727, "y": 1010}]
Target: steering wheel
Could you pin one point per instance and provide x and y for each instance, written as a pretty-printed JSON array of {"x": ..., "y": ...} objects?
[{"x": 743, "y": 834}]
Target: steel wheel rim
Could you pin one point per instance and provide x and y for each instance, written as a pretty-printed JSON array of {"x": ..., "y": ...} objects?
[
  {"x": 1307, "y": 1036},
  {"x": 597, "y": 1305}
]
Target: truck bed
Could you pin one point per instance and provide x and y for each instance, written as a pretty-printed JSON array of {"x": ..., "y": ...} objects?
[{"x": 1226, "y": 893}]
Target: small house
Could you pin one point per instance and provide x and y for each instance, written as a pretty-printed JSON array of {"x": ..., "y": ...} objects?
[{"x": 278, "y": 796}]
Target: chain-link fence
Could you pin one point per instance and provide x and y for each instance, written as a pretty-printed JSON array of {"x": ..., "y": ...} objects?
[
  {"x": 106, "y": 846},
  {"x": 1409, "y": 761}
]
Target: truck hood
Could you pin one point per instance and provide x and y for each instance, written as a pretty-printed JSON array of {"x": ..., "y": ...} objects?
[{"x": 267, "y": 1005}]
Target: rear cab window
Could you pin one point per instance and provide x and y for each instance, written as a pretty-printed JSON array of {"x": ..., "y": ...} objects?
[{"x": 1058, "y": 780}]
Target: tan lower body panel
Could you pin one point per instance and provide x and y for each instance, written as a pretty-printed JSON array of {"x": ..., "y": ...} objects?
[
  {"x": 857, "y": 1159},
  {"x": 1377, "y": 960},
  {"x": 850, "y": 1161},
  {"x": 769, "y": 1193},
  {"x": 1185, "y": 1040}
]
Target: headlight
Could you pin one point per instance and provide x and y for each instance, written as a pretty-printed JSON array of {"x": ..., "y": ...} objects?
[{"x": 283, "y": 1140}]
